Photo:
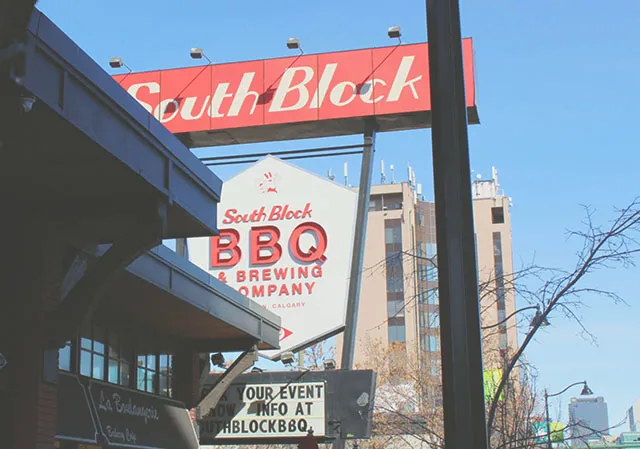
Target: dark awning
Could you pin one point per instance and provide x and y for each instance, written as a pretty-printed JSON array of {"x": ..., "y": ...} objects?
[
  {"x": 89, "y": 158},
  {"x": 165, "y": 292},
  {"x": 94, "y": 412}
]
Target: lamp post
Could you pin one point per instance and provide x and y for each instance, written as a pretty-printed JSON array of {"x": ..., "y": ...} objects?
[{"x": 586, "y": 391}]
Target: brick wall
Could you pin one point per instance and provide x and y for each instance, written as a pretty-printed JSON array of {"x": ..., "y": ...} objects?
[
  {"x": 37, "y": 276},
  {"x": 35, "y": 407}
]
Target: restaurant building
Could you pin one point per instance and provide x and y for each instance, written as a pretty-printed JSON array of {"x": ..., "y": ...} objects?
[{"x": 102, "y": 329}]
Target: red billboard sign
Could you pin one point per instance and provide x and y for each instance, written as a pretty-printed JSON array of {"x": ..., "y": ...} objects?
[{"x": 304, "y": 96}]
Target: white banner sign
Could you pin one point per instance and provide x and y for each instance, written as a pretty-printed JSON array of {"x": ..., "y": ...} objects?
[
  {"x": 286, "y": 238},
  {"x": 267, "y": 411}
]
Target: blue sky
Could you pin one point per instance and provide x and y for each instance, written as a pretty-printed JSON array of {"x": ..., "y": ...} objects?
[{"x": 556, "y": 101}]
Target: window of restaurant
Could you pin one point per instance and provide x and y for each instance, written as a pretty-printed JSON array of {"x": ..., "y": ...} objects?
[
  {"x": 119, "y": 360},
  {"x": 92, "y": 352},
  {"x": 154, "y": 373},
  {"x": 64, "y": 357},
  {"x": 109, "y": 356}
]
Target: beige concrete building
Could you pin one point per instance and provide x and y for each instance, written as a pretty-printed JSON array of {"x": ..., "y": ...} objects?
[{"x": 399, "y": 297}]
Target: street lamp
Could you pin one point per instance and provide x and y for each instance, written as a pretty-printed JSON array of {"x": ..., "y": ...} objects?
[
  {"x": 116, "y": 63},
  {"x": 539, "y": 320},
  {"x": 394, "y": 33},
  {"x": 329, "y": 364},
  {"x": 293, "y": 43},
  {"x": 586, "y": 391},
  {"x": 198, "y": 53},
  {"x": 217, "y": 359},
  {"x": 287, "y": 358}
]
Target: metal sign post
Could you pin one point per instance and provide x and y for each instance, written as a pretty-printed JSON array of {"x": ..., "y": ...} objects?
[
  {"x": 357, "y": 259},
  {"x": 463, "y": 389},
  {"x": 364, "y": 191}
]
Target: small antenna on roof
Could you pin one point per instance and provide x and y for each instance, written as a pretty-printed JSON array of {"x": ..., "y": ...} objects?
[{"x": 346, "y": 174}]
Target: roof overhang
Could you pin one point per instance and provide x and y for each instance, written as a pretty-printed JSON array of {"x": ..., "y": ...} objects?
[
  {"x": 164, "y": 294},
  {"x": 88, "y": 157}
]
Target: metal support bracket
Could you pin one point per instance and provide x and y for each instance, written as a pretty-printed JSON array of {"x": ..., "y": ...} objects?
[
  {"x": 241, "y": 364},
  {"x": 94, "y": 278}
]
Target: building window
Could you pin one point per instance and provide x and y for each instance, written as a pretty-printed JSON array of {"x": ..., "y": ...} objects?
[
  {"x": 503, "y": 342},
  {"x": 64, "y": 357},
  {"x": 431, "y": 273},
  {"x": 395, "y": 308},
  {"x": 392, "y": 202},
  {"x": 397, "y": 330},
  {"x": 392, "y": 231},
  {"x": 423, "y": 273},
  {"x": 393, "y": 263},
  {"x": 423, "y": 342},
  {"x": 420, "y": 219},
  {"x": 119, "y": 371},
  {"x": 155, "y": 373},
  {"x": 166, "y": 375},
  {"x": 92, "y": 352},
  {"x": 497, "y": 215},
  {"x": 147, "y": 374},
  {"x": 434, "y": 320},
  {"x": 395, "y": 284},
  {"x": 431, "y": 250},
  {"x": 434, "y": 343},
  {"x": 432, "y": 297},
  {"x": 375, "y": 203},
  {"x": 500, "y": 288},
  {"x": 107, "y": 356},
  {"x": 395, "y": 280}
]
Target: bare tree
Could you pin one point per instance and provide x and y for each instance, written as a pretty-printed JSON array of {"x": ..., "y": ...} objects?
[
  {"x": 405, "y": 414},
  {"x": 316, "y": 355},
  {"x": 562, "y": 290},
  {"x": 545, "y": 290}
]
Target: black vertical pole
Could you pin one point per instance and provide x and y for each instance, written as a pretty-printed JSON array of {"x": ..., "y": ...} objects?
[
  {"x": 462, "y": 375},
  {"x": 546, "y": 410}
]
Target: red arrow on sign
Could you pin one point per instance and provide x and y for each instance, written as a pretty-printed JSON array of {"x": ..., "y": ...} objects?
[{"x": 284, "y": 333}]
